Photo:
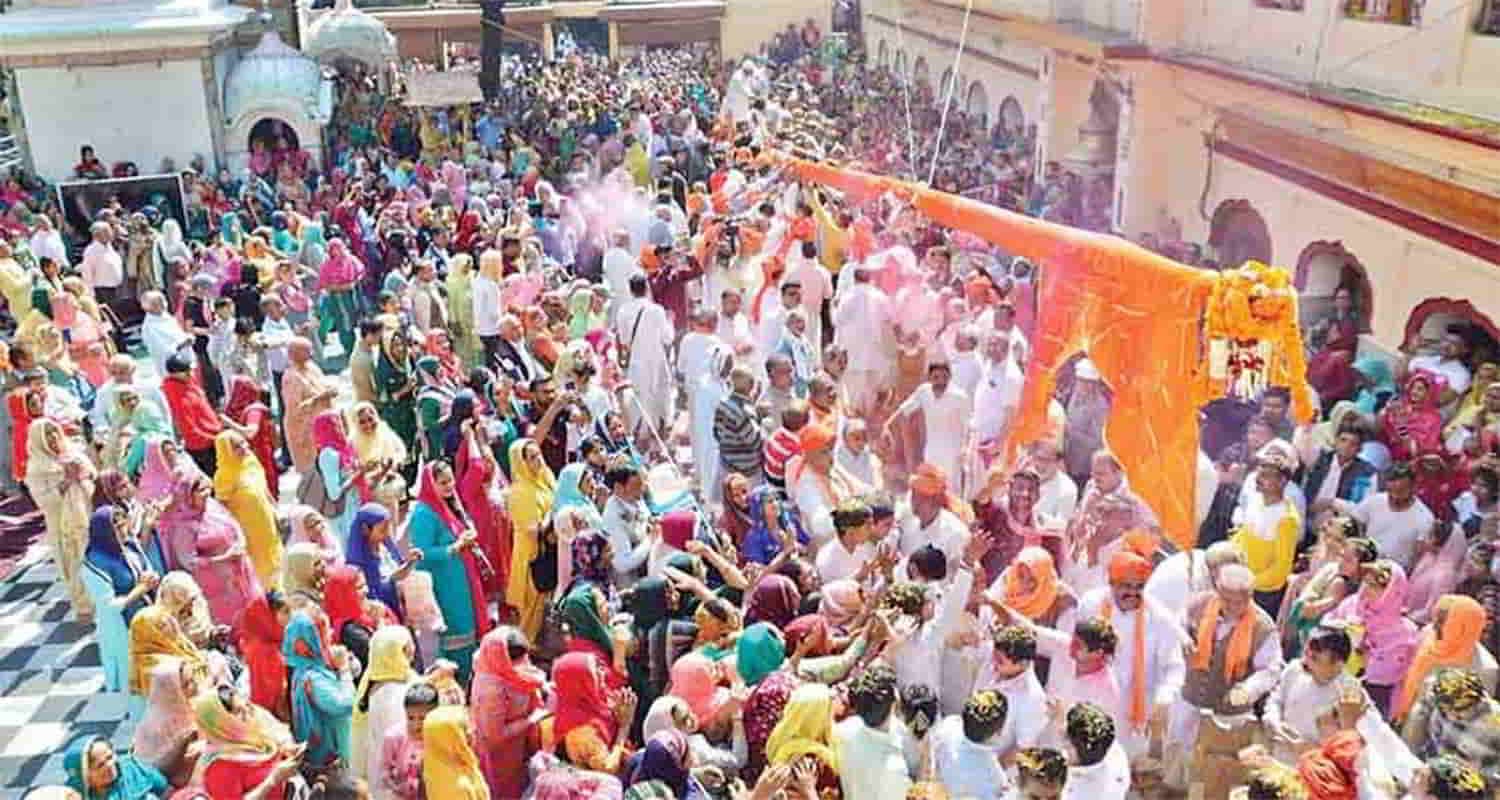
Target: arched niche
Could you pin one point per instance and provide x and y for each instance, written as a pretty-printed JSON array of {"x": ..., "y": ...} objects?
[
  {"x": 1436, "y": 316},
  {"x": 257, "y": 121},
  {"x": 978, "y": 103},
  {"x": 1012, "y": 116},
  {"x": 1238, "y": 234},
  {"x": 1324, "y": 268}
]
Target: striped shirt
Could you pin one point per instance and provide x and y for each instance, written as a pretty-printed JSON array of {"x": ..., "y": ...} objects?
[
  {"x": 780, "y": 449},
  {"x": 738, "y": 433}
]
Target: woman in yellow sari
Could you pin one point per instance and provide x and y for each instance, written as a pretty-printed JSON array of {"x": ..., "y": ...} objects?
[
  {"x": 240, "y": 484},
  {"x": 258, "y": 254},
  {"x": 374, "y": 441},
  {"x": 461, "y": 309},
  {"x": 380, "y": 701},
  {"x": 531, "y": 491},
  {"x": 450, "y": 769},
  {"x": 155, "y": 637}
]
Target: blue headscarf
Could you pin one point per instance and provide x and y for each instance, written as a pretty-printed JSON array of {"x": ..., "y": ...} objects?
[
  {"x": 136, "y": 781},
  {"x": 760, "y": 544},
  {"x": 1378, "y": 386},
  {"x": 460, "y": 409},
  {"x": 322, "y": 702},
  {"x": 230, "y": 231},
  {"x": 570, "y": 492},
  {"x": 120, "y": 564},
  {"x": 366, "y": 559}
]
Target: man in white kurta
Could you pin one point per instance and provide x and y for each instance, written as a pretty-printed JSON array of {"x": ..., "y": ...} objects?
[
  {"x": 872, "y": 764},
  {"x": 161, "y": 333},
  {"x": 619, "y": 265},
  {"x": 1126, "y": 607},
  {"x": 926, "y": 519},
  {"x": 861, "y": 322},
  {"x": 947, "y": 413},
  {"x": 644, "y": 327}
]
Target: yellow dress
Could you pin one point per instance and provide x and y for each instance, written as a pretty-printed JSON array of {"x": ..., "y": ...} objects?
[
  {"x": 450, "y": 769},
  {"x": 529, "y": 503},
  {"x": 240, "y": 484},
  {"x": 1271, "y": 559}
]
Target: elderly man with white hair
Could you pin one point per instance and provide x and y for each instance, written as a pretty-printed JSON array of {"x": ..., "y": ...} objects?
[
  {"x": 161, "y": 332},
  {"x": 122, "y": 375},
  {"x": 103, "y": 268},
  {"x": 619, "y": 265},
  {"x": 1233, "y": 660}
]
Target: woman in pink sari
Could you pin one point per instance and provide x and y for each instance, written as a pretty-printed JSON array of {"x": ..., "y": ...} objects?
[
  {"x": 1386, "y": 639},
  {"x": 1439, "y": 567},
  {"x": 1411, "y": 424},
  {"x": 75, "y": 312},
  {"x": 203, "y": 539},
  {"x": 305, "y": 394},
  {"x": 164, "y": 467},
  {"x": 507, "y": 692}
]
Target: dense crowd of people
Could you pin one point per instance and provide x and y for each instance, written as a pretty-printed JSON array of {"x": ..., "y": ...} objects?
[{"x": 626, "y": 465}]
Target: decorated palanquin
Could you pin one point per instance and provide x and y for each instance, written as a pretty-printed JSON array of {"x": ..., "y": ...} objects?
[{"x": 1167, "y": 338}]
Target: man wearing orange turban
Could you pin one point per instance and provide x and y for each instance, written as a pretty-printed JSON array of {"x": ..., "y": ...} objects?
[
  {"x": 1149, "y": 665},
  {"x": 931, "y": 518},
  {"x": 818, "y": 483}
]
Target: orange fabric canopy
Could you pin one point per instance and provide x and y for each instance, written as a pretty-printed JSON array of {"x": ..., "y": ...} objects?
[{"x": 1137, "y": 314}]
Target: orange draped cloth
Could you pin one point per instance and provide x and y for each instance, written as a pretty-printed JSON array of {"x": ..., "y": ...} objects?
[{"x": 1137, "y": 315}]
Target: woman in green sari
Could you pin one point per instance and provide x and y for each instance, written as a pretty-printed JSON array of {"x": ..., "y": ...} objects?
[
  {"x": 434, "y": 400},
  {"x": 461, "y": 310},
  {"x": 396, "y": 389},
  {"x": 136, "y": 421}
]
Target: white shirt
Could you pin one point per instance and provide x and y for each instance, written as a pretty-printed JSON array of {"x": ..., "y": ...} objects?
[
  {"x": 49, "y": 244},
  {"x": 277, "y": 334},
  {"x": 1177, "y": 579},
  {"x": 968, "y": 770},
  {"x": 1454, "y": 372},
  {"x": 997, "y": 395},
  {"x": 946, "y": 532},
  {"x": 912, "y": 651},
  {"x": 1026, "y": 704},
  {"x": 1395, "y": 532},
  {"x": 1298, "y": 700},
  {"x": 735, "y": 332},
  {"x": 619, "y": 265},
  {"x": 692, "y": 357},
  {"x": 860, "y": 320},
  {"x": 488, "y": 307},
  {"x": 874, "y": 767},
  {"x": 163, "y": 337},
  {"x": 947, "y": 417},
  {"x": 835, "y": 562},
  {"x": 1166, "y": 668},
  {"x": 625, "y": 523},
  {"x": 102, "y": 266},
  {"x": 1059, "y": 496},
  {"x": 1107, "y": 780}
]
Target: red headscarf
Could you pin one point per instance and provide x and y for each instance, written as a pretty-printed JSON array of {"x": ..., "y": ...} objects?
[
  {"x": 581, "y": 701},
  {"x": 807, "y": 626},
  {"x": 493, "y": 661},
  {"x": 677, "y": 528},
  {"x": 771, "y": 270},
  {"x": 427, "y": 492},
  {"x": 259, "y": 637},
  {"x": 343, "y": 600}
]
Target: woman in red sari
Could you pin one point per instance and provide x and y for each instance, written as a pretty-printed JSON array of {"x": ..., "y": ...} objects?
[
  {"x": 1331, "y": 369},
  {"x": 439, "y": 345},
  {"x": 1411, "y": 424},
  {"x": 506, "y": 693},
  {"x": 252, "y": 419},
  {"x": 259, "y": 631},
  {"x": 479, "y": 485}
]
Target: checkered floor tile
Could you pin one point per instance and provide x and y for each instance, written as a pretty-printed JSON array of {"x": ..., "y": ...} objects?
[{"x": 51, "y": 686}]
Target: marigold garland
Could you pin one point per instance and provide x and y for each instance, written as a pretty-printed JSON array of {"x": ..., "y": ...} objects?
[{"x": 1250, "y": 324}]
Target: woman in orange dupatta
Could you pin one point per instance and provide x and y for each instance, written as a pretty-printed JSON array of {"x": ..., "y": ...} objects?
[
  {"x": 259, "y": 631},
  {"x": 1451, "y": 640},
  {"x": 507, "y": 693}
]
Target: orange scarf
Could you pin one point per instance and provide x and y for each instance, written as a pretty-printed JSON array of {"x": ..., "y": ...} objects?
[
  {"x": 1237, "y": 660},
  {"x": 1043, "y": 592},
  {"x": 1463, "y": 623},
  {"x": 1138, "y": 715}
]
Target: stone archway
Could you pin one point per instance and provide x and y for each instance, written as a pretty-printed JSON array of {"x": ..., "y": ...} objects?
[
  {"x": 1323, "y": 269},
  {"x": 1436, "y": 316},
  {"x": 1238, "y": 234}
]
